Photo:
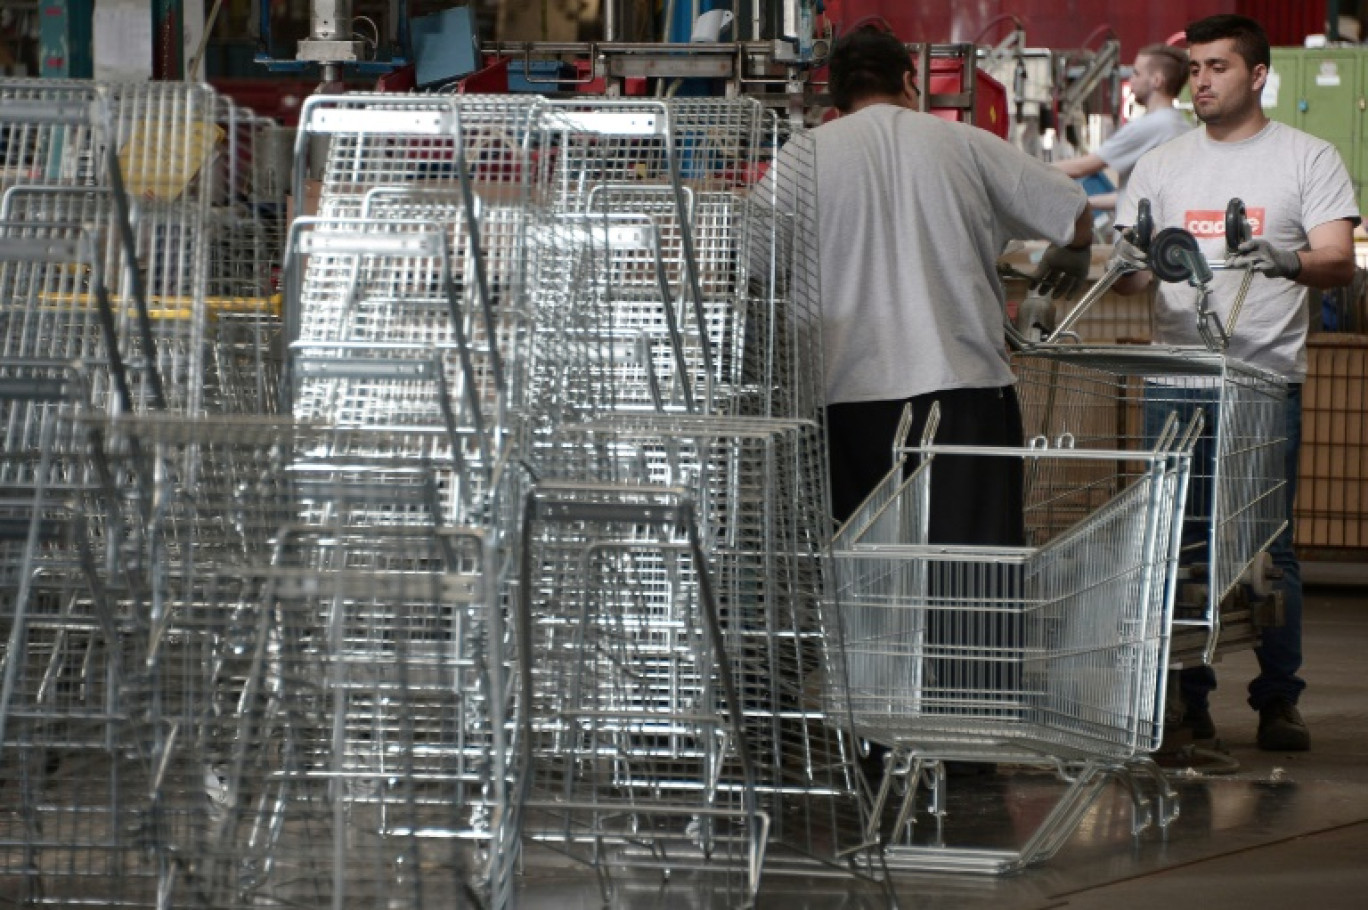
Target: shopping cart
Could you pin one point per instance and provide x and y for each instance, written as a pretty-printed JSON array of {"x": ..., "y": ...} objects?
[
  {"x": 310, "y": 710},
  {"x": 629, "y": 713},
  {"x": 61, "y": 651},
  {"x": 1118, "y": 397},
  {"x": 1049, "y": 655},
  {"x": 158, "y": 169},
  {"x": 678, "y": 317}
]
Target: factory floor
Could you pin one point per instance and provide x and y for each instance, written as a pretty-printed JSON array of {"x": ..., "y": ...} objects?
[{"x": 1282, "y": 831}]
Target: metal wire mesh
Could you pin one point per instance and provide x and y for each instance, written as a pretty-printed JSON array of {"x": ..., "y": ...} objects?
[
  {"x": 298, "y": 623},
  {"x": 1119, "y": 398},
  {"x": 678, "y": 311},
  {"x": 757, "y": 487},
  {"x": 62, "y": 654},
  {"x": 630, "y": 716},
  {"x": 72, "y": 149},
  {"x": 1053, "y": 654},
  {"x": 649, "y": 213},
  {"x": 303, "y": 712}
]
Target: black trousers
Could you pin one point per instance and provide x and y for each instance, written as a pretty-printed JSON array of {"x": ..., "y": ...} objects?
[{"x": 975, "y": 500}]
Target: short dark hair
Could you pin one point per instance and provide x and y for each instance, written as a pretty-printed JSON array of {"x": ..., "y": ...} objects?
[
  {"x": 868, "y": 62},
  {"x": 1251, "y": 42},
  {"x": 1172, "y": 63}
]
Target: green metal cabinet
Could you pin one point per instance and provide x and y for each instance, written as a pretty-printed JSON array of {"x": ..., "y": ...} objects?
[
  {"x": 1282, "y": 91},
  {"x": 1324, "y": 91},
  {"x": 1330, "y": 93}
]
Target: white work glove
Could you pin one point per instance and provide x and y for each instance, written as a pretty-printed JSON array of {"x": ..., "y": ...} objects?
[
  {"x": 1128, "y": 256},
  {"x": 1062, "y": 272},
  {"x": 1266, "y": 259}
]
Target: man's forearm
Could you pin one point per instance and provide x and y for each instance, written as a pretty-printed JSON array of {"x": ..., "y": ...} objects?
[
  {"x": 1326, "y": 268},
  {"x": 1081, "y": 166}
]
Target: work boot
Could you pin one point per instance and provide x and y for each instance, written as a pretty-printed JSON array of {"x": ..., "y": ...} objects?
[
  {"x": 1281, "y": 728},
  {"x": 1198, "y": 720}
]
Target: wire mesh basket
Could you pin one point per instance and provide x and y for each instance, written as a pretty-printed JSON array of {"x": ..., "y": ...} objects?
[
  {"x": 1051, "y": 655},
  {"x": 648, "y": 210},
  {"x": 294, "y": 708},
  {"x": 161, "y": 170},
  {"x": 628, "y": 709},
  {"x": 757, "y": 488},
  {"x": 1119, "y": 397}
]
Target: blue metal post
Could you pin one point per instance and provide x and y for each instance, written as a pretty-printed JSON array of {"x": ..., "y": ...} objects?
[{"x": 64, "y": 39}]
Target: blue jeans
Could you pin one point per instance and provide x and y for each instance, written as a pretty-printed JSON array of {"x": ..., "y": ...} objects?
[{"x": 1280, "y": 648}]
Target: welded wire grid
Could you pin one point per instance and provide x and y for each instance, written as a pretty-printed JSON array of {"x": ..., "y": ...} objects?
[
  {"x": 415, "y": 142},
  {"x": 60, "y": 648},
  {"x": 650, "y": 203},
  {"x": 757, "y": 485},
  {"x": 346, "y": 755},
  {"x": 280, "y": 676},
  {"x": 630, "y": 716},
  {"x": 1118, "y": 398},
  {"x": 247, "y": 224},
  {"x": 390, "y": 342},
  {"x": 44, "y": 268},
  {"x": 462, "y": 162},
  {"x": 1050, "y": 655},
  {"x": 164, "y": 144}
]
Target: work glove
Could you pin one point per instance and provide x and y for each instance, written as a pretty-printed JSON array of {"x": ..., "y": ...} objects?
[
  {"x": 1128, "y": 256},
  {"x": 1266, "y": 259},
  {"x": 1062, "y": 271}
]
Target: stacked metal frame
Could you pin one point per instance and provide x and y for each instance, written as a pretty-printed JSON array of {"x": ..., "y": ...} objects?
[
  {"x": 60, "y": 633},
  {"x": 306, "y": 707},
  {"x": 149, "y": 164},
  {"x": 247, "y": 226},
  {"x": 59, "y": 649},
  {"x": 677, "y": 260},
  {"x": 1050, "y": 655},
  {"x": 408, "y": 341},
  {"x": 414, "y": 256},
  {"x": 1119, "y": 397},
  {"x": 635, "y": 746},
  {"x": 680, "y": 311}
]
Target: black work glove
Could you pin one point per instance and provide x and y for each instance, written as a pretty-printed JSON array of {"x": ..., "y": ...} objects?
[
  {"x": 1266, "y": 259},
  {"x": 1128, "y": 256},
  {"x": 1062, "y": 272}
]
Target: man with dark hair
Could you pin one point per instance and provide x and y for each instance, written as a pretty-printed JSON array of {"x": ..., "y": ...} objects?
[
  {"x": 913, "y": 212},
  {"x": 1159, "y": 74},
  {"x": 1302, "y": 211}
]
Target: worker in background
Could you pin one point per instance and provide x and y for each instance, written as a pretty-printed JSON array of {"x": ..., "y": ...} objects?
[
  {"x": 1159, "y": 74},
  {"x": 913, "y": 212},
  {"x": 1302, "y": 211}
]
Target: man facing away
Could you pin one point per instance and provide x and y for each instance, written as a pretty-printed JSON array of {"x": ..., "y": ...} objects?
[{"x": 913, "y": 212}]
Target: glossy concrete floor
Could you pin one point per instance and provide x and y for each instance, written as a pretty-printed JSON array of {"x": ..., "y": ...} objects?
[{"x": 1284, "y": 832}]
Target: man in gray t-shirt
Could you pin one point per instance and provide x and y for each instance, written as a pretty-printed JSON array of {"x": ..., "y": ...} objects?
[
  {"x": 1159, "y": 74},
  {"x": 913, "y": 212},
  {"x": 1302, "y": 210}
]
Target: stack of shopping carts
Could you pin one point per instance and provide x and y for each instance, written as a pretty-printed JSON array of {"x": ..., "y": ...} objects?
[
  {"x": 673, "y": 371},
  {"x": 107, "y": 192},
  {"x": 503, "y": 525}
]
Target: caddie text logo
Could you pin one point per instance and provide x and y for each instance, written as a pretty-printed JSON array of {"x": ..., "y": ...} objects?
[{"x": 1201, "y": 223}]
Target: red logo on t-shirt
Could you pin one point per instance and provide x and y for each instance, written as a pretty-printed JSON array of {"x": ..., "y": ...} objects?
[{"x": 1201, "y": 223}]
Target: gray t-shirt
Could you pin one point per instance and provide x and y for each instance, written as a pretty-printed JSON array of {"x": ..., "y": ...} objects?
[
  {"x": 1125, "y": 146},
  {"x": 1290, "y": 183},
  {"x": 913, "y": 213}
]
